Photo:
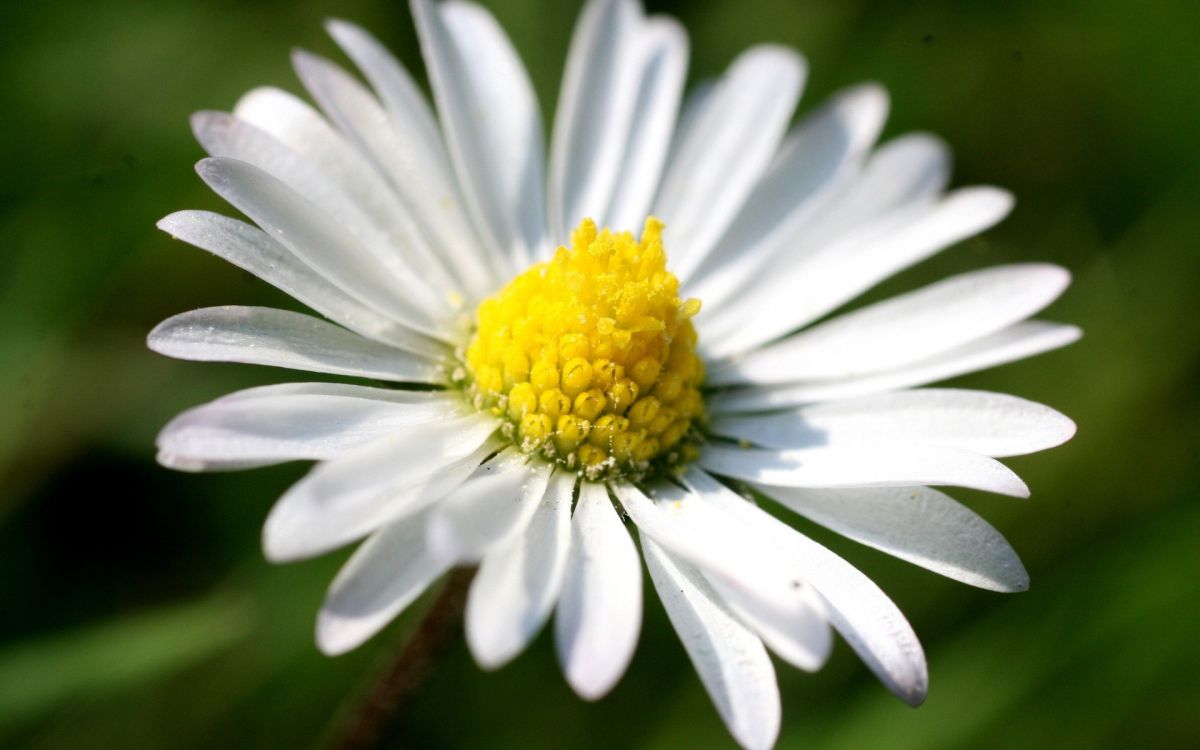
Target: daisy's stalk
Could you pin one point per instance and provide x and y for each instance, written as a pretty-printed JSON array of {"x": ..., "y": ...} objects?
[{"x": 367, "y": 721}]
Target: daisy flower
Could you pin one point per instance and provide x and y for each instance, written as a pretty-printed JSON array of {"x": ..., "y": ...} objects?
[{"x": 623, "y": 343}]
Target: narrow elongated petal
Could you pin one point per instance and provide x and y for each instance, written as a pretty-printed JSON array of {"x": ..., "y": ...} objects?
[
  {"x": 803, "y": 291},
  {"x": 823, "y": 152},
  {"x": 909, "y": 170},
  {"x": 869, "y": 621},
  {"x": 345, "y": 499},
  {"x": 917, "y": 524},
  {"x": 382, "y": 234},
  {"x": 725, "y": 149},
  {"x": 396, "y": 88},
  {"x": 906, "y": 329},
  {"x": 279, "y": 338},
  {"x": 992, "y": 424},
  {"x": 518, "y": 582},
  {"x": 595, "y": 112},
  {"x": 1017, "y": 342},
  {"x": 751, "y": 580},
  {"x": 250, "y": 249},
  {"x": 294, "y": 122},
  {"x": 312, "y": 236},
  {"x": 494, "y": 504},
  {"x": 728, "y": 657},
  {"x": 600, "y": 610},
  {"x": 383, "y": 576},
  {"x": 428, "y": 218},
  {"x": 865, "y": 464},
  {"x": 265, "y": 426},
  {"x": 664, "y": 46},
  {"x": 491, "y": 122}
]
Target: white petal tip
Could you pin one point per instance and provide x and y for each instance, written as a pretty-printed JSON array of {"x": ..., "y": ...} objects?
[
  {"x": 339, "y": 28},
  {"x": 589, "y": 689},
  {"x": 993, "y": 200},
  {"x": 174, "y": 461},
  {"x": 337, "y": 635},
  {"x": 488, "y": 656}
]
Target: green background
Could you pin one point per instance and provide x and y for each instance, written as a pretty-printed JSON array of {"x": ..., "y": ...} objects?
[{"x": 138, "y": 611}]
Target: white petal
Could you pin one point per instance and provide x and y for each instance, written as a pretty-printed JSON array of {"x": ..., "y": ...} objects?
[
  {"x": 725, "y": 150},
  {"x": 263, "y": 426},
  {"x": 730, "y": 660},
  {"x": 906, "y": 329},
  {"x": 427, "y": 221},
  {"x": 492, "y": 505},
  {"x": 664, "y": 69},
  {"x": 279, "y": 338},
  {"x": 249, "y": 248},
  {"x": 224, "y": 135},
  {"x": 825, "y": 150},
  {"x": 311, "y": 235},
  {"x": 595, "y": 112},
  {"x": 1017, "y": 342},
  {"x": 909, "y": 170},
  {"x": 865, "y": 464},
  {"x": 342, "y": 500},
  {"x": 863, "y": 614},
  {"x": 383, "y": 576},
  {"x": 518, "y": 582},
  {"x": 747, "y": 577},
  {"x": 800, "y": 292},
  {"x": 600, "y": 610},
  {"x": 917, "y": 524},
  {"x": 491, "y": 122},
  {"x": 901, "y": 178},
  {"x": 293, "y": 122},
  {"x": 400, "y": 93},
  {"x": 992, "y": 424}
]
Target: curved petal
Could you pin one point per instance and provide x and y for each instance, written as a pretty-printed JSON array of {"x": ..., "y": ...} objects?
[
  {"x": 518, "y": 582},
  {"x": 344, "y": 499},
  {"x": 491, "y": 122},
  {"x": 869, "y": 621},
  {"x": 825, "y": 150},
  {"x": 310, "y": 234},
  {"x": 401, "y": 95},
  {"x": 266, "y": 426},
  {"x": 917, "y": 524},
  {"x": 493, "y": 504},
  {"x": 1017, "y": 342},
  {"x": 900, "y": 331},
  {"x": 383, "y": 576},
  {"x": 600, "y": 609},
  {"x": 595, "y": 113},
  {"x": 279, "y": 338},
  {"x": 864, "y": 464},
  {"x": 992, "y": 424},
  {"x": 224, "y": 135},
  {"x": 428, "y": 218},
  {"x": 730, "y": 660},
  {"x": 664, "y": 70},
  {"x": 250, "y": 249},
  {"x": 751, "y": 581},
  {"x": 724, "y": 150},
  {"x": 802, "y": 291}
]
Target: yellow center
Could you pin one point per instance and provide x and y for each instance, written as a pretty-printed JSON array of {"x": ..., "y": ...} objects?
[{"x": 590, "y": 357}]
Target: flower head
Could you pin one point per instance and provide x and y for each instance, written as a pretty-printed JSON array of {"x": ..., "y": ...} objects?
[{"x": 635, "y": 332}]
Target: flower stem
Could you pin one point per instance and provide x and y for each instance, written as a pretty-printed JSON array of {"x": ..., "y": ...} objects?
[{"x": 368, "y": 724}]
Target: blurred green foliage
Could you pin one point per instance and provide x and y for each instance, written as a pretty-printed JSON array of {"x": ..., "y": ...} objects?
[{"x": 139, "y": 612}]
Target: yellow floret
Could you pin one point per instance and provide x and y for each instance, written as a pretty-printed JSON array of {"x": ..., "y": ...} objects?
[{"x": 592, "y": 355}]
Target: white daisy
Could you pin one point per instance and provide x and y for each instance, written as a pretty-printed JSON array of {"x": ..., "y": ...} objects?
[{"x": 573, "y": 377}]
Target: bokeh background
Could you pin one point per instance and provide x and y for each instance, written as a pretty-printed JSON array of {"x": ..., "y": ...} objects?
[{"x": 138, "y": 612}]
